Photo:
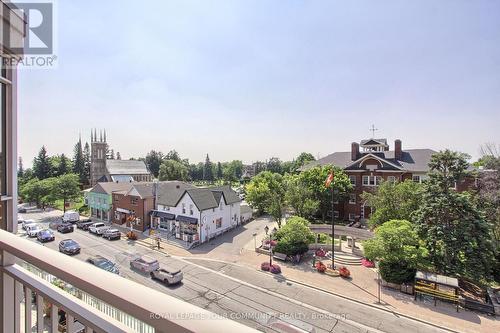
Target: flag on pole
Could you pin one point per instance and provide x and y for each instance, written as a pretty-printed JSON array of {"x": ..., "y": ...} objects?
[{"x": 329, "y": 179}]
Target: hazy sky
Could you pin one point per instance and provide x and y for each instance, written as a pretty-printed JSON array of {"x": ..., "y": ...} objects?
[{"x": 253, "y": 79}]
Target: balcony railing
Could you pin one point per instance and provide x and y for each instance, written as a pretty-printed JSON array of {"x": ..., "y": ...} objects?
[{"x": 27, "y": 274}]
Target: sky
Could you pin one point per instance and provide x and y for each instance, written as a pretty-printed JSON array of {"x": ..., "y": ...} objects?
[{"x": 250, "y": 80}]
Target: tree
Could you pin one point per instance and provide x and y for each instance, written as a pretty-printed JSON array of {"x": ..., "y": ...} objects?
[
  {"x": 259, "y": 167},
  {"x": 274, "y": 165},
  {"x": 300, "y": 197},
  {"x": 67, "y": 188},
  {"x": 173, "y": 170},
  {"x": 294, "y": 237},
  {"x": 452, "y": 226},
  {"x": 173, "y": 155},
  {"x": 153, "y": 161},
  {"x": 20, "y": 168},
  {"x": 79, "y": 162},
  {"x": 41, "y": 165},
  {"x": 303, "y": 159},
  {"x": 63, "y": 166},
  {"x": 233, "y": 171},
  {"x": 111, "y": 154},
  {"x": 393, "y": 201},
  {"x": 266, "y": 192},
  {"x": 35, "y": 191},
  {"x": 118, "y": 156},
  {"x": 314, "y": 179},
  {"x": 219, "y": 171},
  {"x": 87, "y": 162},
  {"x": 208, "y": 172}
]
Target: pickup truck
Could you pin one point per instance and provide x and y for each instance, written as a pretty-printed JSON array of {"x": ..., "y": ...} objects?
[
  {"x": 98, "y": 228},
  {"x": 84, "y": 224}
]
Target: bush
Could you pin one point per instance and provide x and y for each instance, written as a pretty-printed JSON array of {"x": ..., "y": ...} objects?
[
  {"x": 275, "y": 269},
  {"x": 320, "y": 253},
  {"x": 265, "y": 266},
  {"x": 367, "y": 263},
  {"x": 396, "y": 272},
  {"x": 290, "y": 248},
  {"x": 344, "y": 272},
  {"x": 131, "y": 235},
  {"x": 320, "y": 267}
]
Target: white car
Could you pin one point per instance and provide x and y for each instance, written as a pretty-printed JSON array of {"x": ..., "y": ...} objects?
[
  {"x": 27, "y": 222},
  {"x": 167, "y": 275},
  {"x": 98, "y": 228},
  {"x": 71, "y": 216},
  {"x": 33, "y": 229},
  {"x": 145, "y": 264}
]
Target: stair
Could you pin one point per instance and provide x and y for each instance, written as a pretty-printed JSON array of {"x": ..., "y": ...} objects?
[{"x": 346, "y": 259}]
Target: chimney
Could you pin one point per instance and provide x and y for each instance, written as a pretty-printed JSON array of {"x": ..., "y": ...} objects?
[
  {"x": 398, "y": 150},
  {"x": 354, "y": 151}
]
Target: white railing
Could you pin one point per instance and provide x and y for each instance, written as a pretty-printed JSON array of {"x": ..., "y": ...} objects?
[{"x": 129, "y": 306}]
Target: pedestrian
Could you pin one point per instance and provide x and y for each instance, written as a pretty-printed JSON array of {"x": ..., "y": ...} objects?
[{"x": 158, "y": 242}]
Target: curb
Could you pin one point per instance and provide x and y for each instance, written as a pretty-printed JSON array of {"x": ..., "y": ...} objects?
[{"x": 397, "y": 313}]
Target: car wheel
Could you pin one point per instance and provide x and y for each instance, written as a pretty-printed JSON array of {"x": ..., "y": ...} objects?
[
  {"x": 166, "y": 282},
  {"x": 152, "y": 275}
]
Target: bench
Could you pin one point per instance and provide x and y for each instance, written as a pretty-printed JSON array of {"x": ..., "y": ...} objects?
[{"x": 279, "y": 256}]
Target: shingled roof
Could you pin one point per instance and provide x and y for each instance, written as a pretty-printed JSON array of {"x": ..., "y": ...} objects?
[
  {"x": 126, "y": 167},
  {"x": 170, "y": 192},
  {"x": 108, "y": 188},
  {"x": 414, "y": 160}
]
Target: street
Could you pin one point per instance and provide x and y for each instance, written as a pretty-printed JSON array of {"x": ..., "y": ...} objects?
[{"x": 256, "y": 299}]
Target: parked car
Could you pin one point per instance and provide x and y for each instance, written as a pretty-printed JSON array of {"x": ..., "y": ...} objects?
[
  {"x": 144, "y": 264},
  {"x": 167, "y": 275},
  {"x": 71, "y": 216},
  {"x": 27, "y": 222},
  {"x": 98, "y": 228},
  {"x": 33, "y": 229},
  {"x": 64, "y": 228},
  {"x": 111, "y": 233},
  {"x": 21, "y": 210},
  {"x": 103, "y": 263},
  {"x": 84, "y": 224},
  {"x": 45, "y": 235},
  {"x": 69, "y": 246}
]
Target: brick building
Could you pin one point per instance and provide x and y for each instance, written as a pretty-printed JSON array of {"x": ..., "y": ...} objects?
[
  {"x": 133, "y": 204},
  {"x": 368, "y": 164}
]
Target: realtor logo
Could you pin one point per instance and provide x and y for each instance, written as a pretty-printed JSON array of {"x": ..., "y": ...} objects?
[{"x": 39, "y": 18}]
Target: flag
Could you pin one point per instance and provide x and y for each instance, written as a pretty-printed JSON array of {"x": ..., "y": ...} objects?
[{"x": 329, "y": 179}]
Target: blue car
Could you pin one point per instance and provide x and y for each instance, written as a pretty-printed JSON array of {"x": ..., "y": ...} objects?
[{"x": 45, "y": 235}]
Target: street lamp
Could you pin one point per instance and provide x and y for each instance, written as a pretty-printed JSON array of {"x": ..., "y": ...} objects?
[
  {"x": 378, "y": 278},
  {"x": 266, "y": 229}
]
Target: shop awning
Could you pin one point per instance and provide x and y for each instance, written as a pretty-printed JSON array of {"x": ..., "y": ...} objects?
[
  {"x": 187, "y": 219},
  {"x": 165, "y": 215}
]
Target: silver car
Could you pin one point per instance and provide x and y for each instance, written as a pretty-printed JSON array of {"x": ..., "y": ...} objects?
[
  {"x": 111, "y": 233},
  {"x": 144, "y": 264},
  {"x": 167, "y": 275}
]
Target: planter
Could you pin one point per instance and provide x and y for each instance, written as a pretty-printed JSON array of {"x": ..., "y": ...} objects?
[
  {"x": 320, "y": 267},
  {"x": 367, "y": 263},
  {"x": 332, "y": 272},
  {"x": 131, "y": 235},
  {"x": 265, "y": 266},
  {"x": 344, "y": 272},
  {"x": 275, "y": 269}
]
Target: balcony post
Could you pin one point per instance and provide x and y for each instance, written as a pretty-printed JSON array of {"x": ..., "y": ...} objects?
[{"x": 7, "y": 295}]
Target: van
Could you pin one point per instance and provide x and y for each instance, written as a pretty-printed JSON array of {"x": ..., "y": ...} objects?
[{"x": 71, "y": 216}]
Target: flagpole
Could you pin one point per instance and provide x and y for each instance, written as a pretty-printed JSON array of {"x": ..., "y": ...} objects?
[{"x": 333, "y": 236}]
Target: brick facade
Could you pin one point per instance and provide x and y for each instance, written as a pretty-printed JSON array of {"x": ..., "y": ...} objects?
[{"x": 126, "y": 206}]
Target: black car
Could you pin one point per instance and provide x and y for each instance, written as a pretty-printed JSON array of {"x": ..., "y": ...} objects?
[
  {"x": 21, "y": 210},
  {"x": 45, "y": 235},
  {"x": 69, "y": 246},
  {"x": 84, "y": 224},
  {"x": 103, "y": 263},
  {"x": 64, "y": 228}
]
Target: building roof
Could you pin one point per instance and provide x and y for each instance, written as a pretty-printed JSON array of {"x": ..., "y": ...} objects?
[
  {"x": 126, "y": 167},
  {"x": 373, "y": 141},
  {"x": 230, "y": 196},
  {"x": 108, "y": 188},
  {"x": 143, "y": 190},
  {"x": 414, "y": 160},
  {"x": 203, "y": 198},
  {"x": 122, "y": 178},
  {"x": 170, "y": 192}
]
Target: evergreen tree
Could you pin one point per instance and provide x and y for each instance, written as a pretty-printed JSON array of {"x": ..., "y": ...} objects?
[
  {"x": 20, "y": 169},
  {"x": 41, "y": 165},
  {"x": 208, "y": 172},
  {"x": 153, "y": 161},
  {"x": 111, "y": 155},
  {"x": 118, "y": 156},
  {"x": 453, "y": 228},
  {"x": 78, "y": 162},
  {"x": 63, "y": 167},
  {"x": 219, "y": 171},
  {"x": 86, "y": 162}
]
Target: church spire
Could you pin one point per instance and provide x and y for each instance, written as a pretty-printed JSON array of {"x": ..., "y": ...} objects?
[
  {"x": 104, "y": 135},
  {"x": 100, "y": 135}
]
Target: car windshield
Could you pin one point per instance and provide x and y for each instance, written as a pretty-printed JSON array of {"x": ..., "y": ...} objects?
[
  {"x": 70, "y": 243},
  {"x": 45, "y": 233},
  {"x": 105, "y": 264}
]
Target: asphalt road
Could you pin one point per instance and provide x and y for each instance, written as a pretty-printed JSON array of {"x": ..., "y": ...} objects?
[{"x": 242, "y": 294}]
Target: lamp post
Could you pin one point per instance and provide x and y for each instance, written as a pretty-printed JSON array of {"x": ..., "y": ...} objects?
[
  {"x": 254, "y": 240},
  {"x": 378, "y": 278},
  {"x": 266, "y": 229}
]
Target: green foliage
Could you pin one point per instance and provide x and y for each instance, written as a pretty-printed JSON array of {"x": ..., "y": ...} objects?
[
  {"x": 47, "y": 191},
  {"x": 153, "y": 161},
  {"x": 208, "y": 172},
  {"x": 451, "y": 224},
  {"x": 314, "y": 180},
  {"x": 274, "y": 165},
  {"x": 266, "y": 193},
  {"x": 393, "y": 201},
  {"x": 173, "y": 170},
  {"x": 79, "y": 162},
  {"x": 300, "y": 197},
  {"x": 87, "y": 163},
  {"x": 232, "y": 171},
  {"x": 395, "y": 241},
  {"x": 41, "y": 165},
  {"x": 396, "y": 272},
  {"x": 294, "y": 237}
]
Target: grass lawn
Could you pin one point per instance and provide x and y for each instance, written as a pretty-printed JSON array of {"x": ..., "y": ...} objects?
[{"x": 75, "y": 205}]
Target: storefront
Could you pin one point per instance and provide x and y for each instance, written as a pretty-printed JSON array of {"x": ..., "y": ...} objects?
[
  {"x": 163, "y": 221},
  {"x": 186, "y": 228}
]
